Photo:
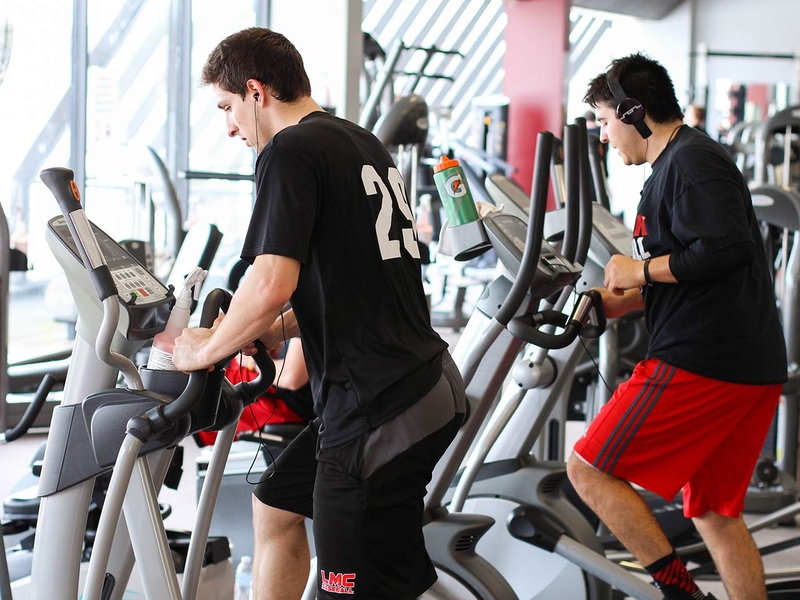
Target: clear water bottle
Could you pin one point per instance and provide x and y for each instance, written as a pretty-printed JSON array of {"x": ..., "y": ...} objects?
[{"x": 243, "y": 589}]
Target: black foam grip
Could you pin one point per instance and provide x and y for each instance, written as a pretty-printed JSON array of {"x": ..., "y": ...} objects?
[
  {"x": 251, "y": 390},
  {"x": 197, "y": 379},
  {"x": 60, "y": 181},
  {"x": 527, "y": 329},
  {"x": 103, "y": 282},
  {"x": 33, "y": 410}
]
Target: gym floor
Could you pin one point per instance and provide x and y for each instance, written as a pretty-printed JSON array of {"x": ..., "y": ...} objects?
[{"x": 15, "y": 458}]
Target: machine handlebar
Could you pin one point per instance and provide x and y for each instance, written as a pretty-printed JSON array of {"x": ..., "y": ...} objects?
[
  {"x": 249, "y": 390},
  {"x": 535, "y": 234},
  {"x": 60, "y": 181},
  {"x": 527, "y": 327},
  {"x": 35, "y": 407},
  {"x": 217, "y": 300}
]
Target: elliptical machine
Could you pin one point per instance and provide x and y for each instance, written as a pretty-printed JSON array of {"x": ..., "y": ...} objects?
[
  {"x": 601, "y": 236},
  {"x": 121, "y": 305},
  {"x": 546, "y": 548},
  {"x": 508, "y": 316}
]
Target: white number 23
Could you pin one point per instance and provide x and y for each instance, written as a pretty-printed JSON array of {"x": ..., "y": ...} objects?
[{"x": 373, "y": 184}]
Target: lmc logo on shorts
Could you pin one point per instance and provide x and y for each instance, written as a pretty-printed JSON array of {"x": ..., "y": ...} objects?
[{"x": 338, "y": 583}]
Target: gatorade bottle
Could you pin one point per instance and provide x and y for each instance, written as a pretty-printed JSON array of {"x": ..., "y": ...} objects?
[
  {"x": 164, "y": 343},
  {"x": 451, "y": 182}
]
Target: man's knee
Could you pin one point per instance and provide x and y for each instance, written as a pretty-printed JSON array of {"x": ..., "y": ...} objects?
[
  {"x": 579, "y": 473},
  {"x": 715, "y": 522},
  {"x": 588, "y": 480},
  {"x": 270, "y": 522}
]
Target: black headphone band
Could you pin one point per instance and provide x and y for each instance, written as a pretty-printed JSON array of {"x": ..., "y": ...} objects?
[
  {"x": 643, "y": 129},
  {"x": 616, "y": 89}
]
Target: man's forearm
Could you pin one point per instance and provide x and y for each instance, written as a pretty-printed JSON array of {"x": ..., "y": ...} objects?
[
  {"x": 633, "y": 300},
  {"x": 242, "y": 324},
  {"x": 255, "y": 307}
]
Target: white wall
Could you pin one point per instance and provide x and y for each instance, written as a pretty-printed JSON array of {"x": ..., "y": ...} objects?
[
  {"x": 766, "y": 26},
  {"x": 747, "y": 25}
]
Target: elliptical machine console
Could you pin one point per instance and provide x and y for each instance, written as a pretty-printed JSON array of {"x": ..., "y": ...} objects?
[
  {"x": 145, "y": 301},
  {"x": 553, "y": 272}
]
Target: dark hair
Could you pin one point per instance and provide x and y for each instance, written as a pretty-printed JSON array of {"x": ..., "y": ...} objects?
[
  {"x": 257, "y": 53},
  {"x": 641, "y": 78}
]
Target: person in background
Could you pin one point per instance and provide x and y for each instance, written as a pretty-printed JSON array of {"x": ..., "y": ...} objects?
[
  {"x": 288, "y": 400},
  {"x": 696, "y": 411},
  {"x": 695, "y": 116},
  {"x": 592, "y": 126},
  {"x": 593, "y": 130}
]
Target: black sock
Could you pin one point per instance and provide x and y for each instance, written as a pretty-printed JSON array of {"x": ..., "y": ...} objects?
[{"x": 673, "y": 580}]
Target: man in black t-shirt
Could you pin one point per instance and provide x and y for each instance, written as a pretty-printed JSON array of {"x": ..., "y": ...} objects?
[
  {"x": 696, "y": 411},
  {"x": 332, "y": 232}
]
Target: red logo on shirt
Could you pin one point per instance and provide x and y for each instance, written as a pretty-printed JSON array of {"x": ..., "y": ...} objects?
[
  {"x": 637, "y": 242},
  {"x": 639, "y": 229},
  {"x": 338, "y": 583}
]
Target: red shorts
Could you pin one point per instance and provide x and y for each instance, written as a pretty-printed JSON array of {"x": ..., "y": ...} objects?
[{"x": 665, "y": 429}]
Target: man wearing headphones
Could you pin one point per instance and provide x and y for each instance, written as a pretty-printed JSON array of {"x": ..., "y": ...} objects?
[
  {"x": 696, "y": 411},
  {"x": 332, "y": 231}
]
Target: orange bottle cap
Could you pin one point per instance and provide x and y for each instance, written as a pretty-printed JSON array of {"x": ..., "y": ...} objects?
[{"x": 445, "y": 163}]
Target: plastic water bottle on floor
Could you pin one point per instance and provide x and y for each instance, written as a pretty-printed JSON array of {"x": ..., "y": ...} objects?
[{"x": 244, "y": 579}]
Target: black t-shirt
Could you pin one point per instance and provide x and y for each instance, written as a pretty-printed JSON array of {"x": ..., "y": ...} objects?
[
  {"x": 726, "y": 326},
  {"x": 329, "y": 195}
]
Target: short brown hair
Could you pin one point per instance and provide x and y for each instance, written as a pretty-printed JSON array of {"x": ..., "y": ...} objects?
[
  {"x": 642, "y": 78},
  {"x": 262, "y": 54}
]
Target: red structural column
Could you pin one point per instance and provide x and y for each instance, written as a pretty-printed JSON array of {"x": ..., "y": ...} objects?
[{"x": 537, "y": 48}]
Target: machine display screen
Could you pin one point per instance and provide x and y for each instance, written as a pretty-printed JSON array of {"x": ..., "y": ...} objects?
[
  {"x": 515, "y": 230},
  {"x": 131, "y": 278},
  {"x": 614, "y": 234}
]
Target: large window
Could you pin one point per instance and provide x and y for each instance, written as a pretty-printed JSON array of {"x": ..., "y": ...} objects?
[
  {"x": 225, "y": 202},
  {"x": 126, "y": 110},
  {"x": 34, "y": 102},
  {"x": 131, "y": 58},
  {"x": 115, "y": 68}
]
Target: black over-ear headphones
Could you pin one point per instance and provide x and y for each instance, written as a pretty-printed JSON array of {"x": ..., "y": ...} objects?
[{"x": 629, "y": 110}]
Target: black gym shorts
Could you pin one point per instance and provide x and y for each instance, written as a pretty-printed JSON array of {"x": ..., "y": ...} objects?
[{"x": 368, "y": 497}]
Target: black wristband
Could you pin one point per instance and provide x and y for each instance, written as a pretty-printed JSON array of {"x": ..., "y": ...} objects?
[{"x": 647, "y": 272}]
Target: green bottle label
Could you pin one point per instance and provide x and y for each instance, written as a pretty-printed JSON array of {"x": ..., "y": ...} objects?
[{"x": 456, "y": 198}]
